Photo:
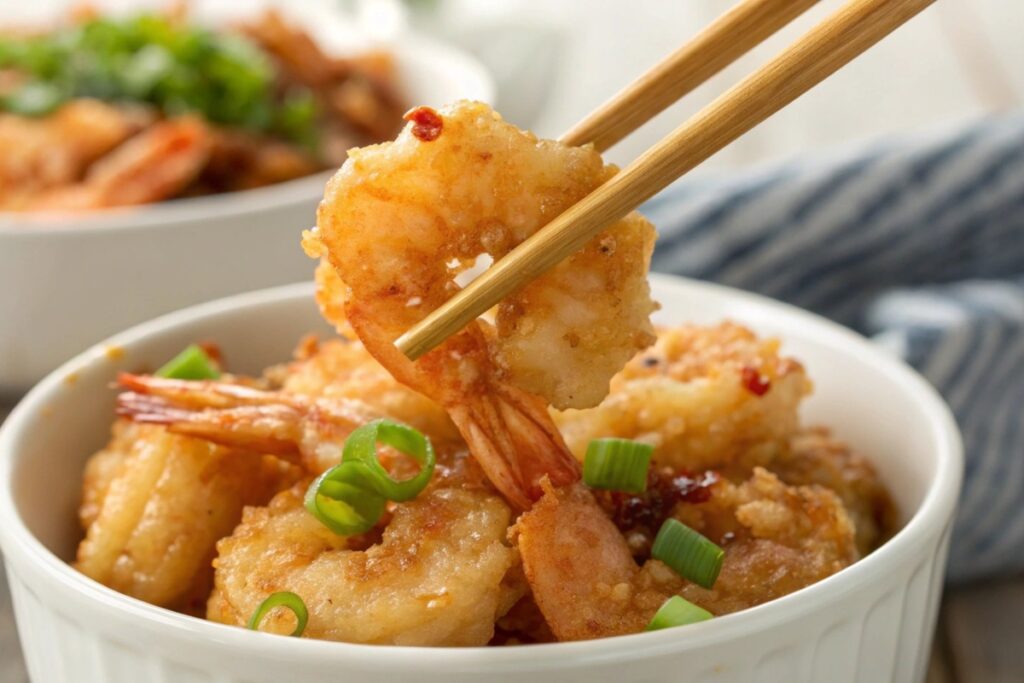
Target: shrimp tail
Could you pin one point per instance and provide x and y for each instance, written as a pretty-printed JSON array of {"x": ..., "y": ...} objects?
[
  {"x": 197, "y": 393},
  {"x": 244, "y": 418},
  {"x": 269, "y": 430},
  {"x": 500, "y": 429}
]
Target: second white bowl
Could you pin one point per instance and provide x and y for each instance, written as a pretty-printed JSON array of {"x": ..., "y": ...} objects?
[{"x": 68, "y": 283}]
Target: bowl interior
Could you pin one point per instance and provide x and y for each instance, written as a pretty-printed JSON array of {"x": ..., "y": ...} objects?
[{"x": 867, "y": 398}]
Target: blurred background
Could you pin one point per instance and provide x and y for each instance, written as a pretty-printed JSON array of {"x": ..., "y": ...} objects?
[
  {"x": 958, "y": 65},
  {"x": 555, "y": 61}
]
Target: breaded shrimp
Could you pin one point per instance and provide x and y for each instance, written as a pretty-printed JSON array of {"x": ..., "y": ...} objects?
[
  {"x": 401, "y": 220},
  {"x": 713, "y": 397},
  {"x": 44, "y": 153},
  {"x": 814, "y": 456},
  {"x": 155, "y": 165},
  {"x": 437, "y": 577},
  {"x": 777, "y": 539},
  {"x": 442, "y": 573},
  {"x": 581, "y": 571},
  {"x": 722, "y": 398},
  {"x": 303, "y": 430},
  {"x": 340, "y": 368},
  {"x": 586, "y": 582},
  {"x": 154, "y": 504}
]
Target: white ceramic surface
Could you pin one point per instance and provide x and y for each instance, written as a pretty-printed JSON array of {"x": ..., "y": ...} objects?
[
  {"x": 65, "y": 284},
  {"x": 871, "y": 622}
]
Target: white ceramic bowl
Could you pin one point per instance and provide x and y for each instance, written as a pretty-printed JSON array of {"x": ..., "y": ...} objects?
[
  {"x": 65, "y": 284},
  {"x": 870, "y": 622}
]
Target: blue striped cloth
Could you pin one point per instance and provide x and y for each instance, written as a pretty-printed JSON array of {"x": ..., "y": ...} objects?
[{"x": 917, "y": 243}]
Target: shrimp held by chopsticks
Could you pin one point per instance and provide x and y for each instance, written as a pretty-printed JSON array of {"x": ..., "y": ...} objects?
[{"x": 401, "y": 220}]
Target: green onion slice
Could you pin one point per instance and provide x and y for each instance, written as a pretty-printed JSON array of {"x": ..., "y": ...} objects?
[
  {"x": 677, "y": 611},
  {"x": 361, "y": 447},
  {"x": 192, "y": 363},
  {"x": 34, "y": 98},
  {"x": 282, "y": 599},
  {"x": 617, "y": 464},
  {"x": 340, "y": 500},
  {"x": 690, "y": 554},
  {"x": 350, "y": 498}
]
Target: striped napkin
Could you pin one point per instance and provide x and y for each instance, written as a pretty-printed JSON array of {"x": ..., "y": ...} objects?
[{"x": 917, "y": 243}]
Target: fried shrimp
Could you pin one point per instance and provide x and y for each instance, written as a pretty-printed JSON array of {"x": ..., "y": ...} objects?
[
  {"x": 705, "y": 397},
  {"x": 777, "y": 539},
  {"x": 581, "y": 571},
  {"x": 154, "y": 504},
  {"x": 340, "y": 368},
  {"x": 441, "y": 573},
  {"x": 814, "y": 456},
  {"x": 46, "y": 153},
  {"x": 586, "y": 582},
  {"x": 437, "y": 577},
  {"x": 401, "y": 220},
  {"x": 300, "y": 429},
  {"x": 152, "y": 166}
]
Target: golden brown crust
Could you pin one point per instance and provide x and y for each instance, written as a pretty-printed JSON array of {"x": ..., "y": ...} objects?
[
  {"x": 155, "y": 504},
  {"x": 715, "y": 397},
  {"x": 437, "y": 576}
]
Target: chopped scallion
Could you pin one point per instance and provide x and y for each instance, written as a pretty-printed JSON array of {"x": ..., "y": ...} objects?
[
  {"x": 33, "y": 99},
  {"x": 192, "y": 363},
  {"x": 677, "y": 611},
  {"x": 282, "y": 599},
  {"x": 617, "y": 465},
  {"x": 350, "y": 498},
  {"x": 688, "y": 553},
  {"x": 339, "y": 499},
  {"x": 174, "y": 66},
  {"x": 361, "y": 446}
]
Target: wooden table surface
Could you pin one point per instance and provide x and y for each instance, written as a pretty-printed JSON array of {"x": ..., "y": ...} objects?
[{"x": 980, "y": 638}]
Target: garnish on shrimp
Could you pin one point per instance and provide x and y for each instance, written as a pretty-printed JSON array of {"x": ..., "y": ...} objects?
[{"x": 400, "y": 221}]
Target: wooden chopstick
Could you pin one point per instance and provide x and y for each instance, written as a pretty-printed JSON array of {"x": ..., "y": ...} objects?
[
  {"x": 833, "y": 43},
  {"x": 717, "y": 46}
]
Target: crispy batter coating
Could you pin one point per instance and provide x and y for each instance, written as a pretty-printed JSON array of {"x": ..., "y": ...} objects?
[
  {"x": 342, "y": 368},
  {"x": 777, "y": 539},
  {"x": 401, "y": 220},
  {"x": 715, "y": 397},
  {"x": 55, "y": 151},
  {"x": 814, "y": 456},
  {"x": 154, "y": 505},
  {"x": 582, "y": 574},
  {"x": 437, "y": 576}
]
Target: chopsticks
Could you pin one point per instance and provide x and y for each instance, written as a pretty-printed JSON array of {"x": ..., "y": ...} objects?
[
  {"x": 831, "y": 44},
  {"x": 720, "y": 44}
]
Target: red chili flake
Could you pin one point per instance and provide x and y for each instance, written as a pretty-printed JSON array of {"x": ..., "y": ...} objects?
[
  {"x": 427, "y": 125},
  {"x": 644, "y": 513},
  {"x": 755, "y": 382},
  {"x": 212, "y": 350}
]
